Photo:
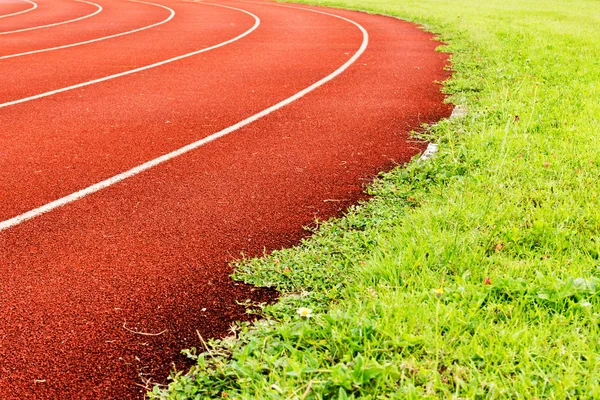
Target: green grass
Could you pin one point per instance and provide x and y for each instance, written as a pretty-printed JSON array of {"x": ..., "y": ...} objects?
[{"x": 504, "y": 223}]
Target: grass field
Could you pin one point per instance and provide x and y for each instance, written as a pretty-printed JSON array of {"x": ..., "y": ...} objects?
[{"x": 473, "y": 275}]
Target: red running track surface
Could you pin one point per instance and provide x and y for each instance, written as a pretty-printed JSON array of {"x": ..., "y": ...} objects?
[
  {"x": 115, "y": 18},
  {"x": 10, "y": 8},
  {"x": 152, "y": 251},
  {"x": 48, "y": 12}
]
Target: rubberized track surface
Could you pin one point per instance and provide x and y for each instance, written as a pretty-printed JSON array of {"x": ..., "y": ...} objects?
[{"x": 150, "y": 253}]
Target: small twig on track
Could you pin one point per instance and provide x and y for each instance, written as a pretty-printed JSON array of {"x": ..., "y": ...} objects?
[
  {"x": 144, "y": 386},
  {"x": 203, "y": 342},
  {"x": 141, "y": 333}
]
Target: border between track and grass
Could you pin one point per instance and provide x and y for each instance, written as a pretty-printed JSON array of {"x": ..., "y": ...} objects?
[
  {"x": 22, "y": 11},
  {"x": 99, "y": 10},
  {"x": 169, "y": 156},
  {"x": 170, "y": 17},
  {"x": 432, "y": 148}
]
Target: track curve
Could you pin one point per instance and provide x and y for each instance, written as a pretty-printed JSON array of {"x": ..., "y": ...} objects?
[
  {"x": 150, "y": 253},
  {"x": 127, "y": 71},
  {"x": 32, "y": 7},
  {"x": 31, "y": 28},
  {"x": 115, "y": 18},
  {"x": 99, "y": 39},
  {"x": 80, "y": 194}
]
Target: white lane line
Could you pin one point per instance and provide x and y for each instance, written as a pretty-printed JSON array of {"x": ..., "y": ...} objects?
[
  {"x": 33, "y": 7},
  {"x": 146, "y": 67},
  {"x": 99, "y": 9},
  {"x": 171, "y": 15},
  {"x": 192, "y": 146}
]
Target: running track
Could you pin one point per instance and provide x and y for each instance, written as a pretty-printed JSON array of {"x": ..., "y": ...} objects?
[{"x": 149, "y": 253}]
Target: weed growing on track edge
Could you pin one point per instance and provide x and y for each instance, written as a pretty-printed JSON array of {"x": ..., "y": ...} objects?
[{"x": 474, "y": 275}]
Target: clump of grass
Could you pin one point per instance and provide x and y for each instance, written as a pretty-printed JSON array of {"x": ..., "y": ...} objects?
[{"x": 473, "y": 275}]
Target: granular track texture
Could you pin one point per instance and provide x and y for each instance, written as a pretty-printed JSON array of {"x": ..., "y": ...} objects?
[{"x": 105, "y": 291}]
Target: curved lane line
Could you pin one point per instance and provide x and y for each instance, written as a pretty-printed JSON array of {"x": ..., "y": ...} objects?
[
  {"x": 146, "y": 67},
  {"x": 22, "y": 12},
  {"x": 192, "y": 146},
  {"x": 59, "y": 23},
  {"x": 172, "y": 14}
]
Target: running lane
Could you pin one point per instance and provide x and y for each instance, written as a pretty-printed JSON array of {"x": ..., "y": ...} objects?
[
  {"x": 48, "y": 12},
  {"x": 150, "y": 254},
  {"x": 115, "y": 18},
  {"x": 82, "y": 136},
  {"x": 16, "y": 7},
  {"x": 42, "y": 72}
]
